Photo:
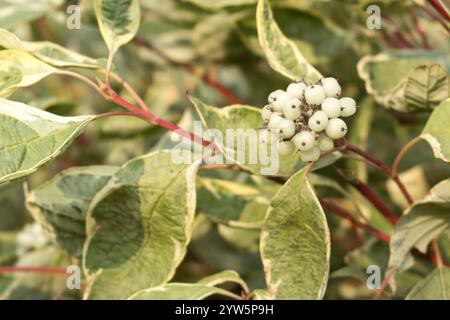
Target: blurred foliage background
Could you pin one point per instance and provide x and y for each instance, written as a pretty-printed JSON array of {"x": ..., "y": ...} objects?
[{"x": 210, "y": 49}]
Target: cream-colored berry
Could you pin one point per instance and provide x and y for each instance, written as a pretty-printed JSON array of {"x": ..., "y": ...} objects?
[
  {"x": 318, "y": 121},
  {"x": 336, "y": 128},
  {"x": 314, "y": 95},
  {"x": 311, "y": 155},
  {"x": 296, "y": 89},
  {"x": 325, "y": 143},
  {"x": 304, "y": 140},
  {"x": 331, "y": 87},
  {"x": 286, "y": 128},
  {"x": 291, "y": 109},
  {"x": 332, "y": 107}
]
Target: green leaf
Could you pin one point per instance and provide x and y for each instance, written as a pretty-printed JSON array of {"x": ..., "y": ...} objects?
[
  {"x": 234, "y": 204},
  {"x": 219, "y": 4},
  {"x": 13, "y": 13},
  {"x": 30, "y": 137},
  {"x": 19, "y": 69},
  {"x": 424, "y": 221},
  {"x": 118, "y": 21},
  {"x": 407, "y": 81},
  {"x": 245, "y": 119},
  {"x": 313, "y": 32},
  {"x": 60, "y": 204},
  {"x": 282, "y": 53},
  {"x": 437, "y": 131},
  {"x": 414, "y": 180},
  {"x": 195, "y": 291},
  {"x": 223, "y": 277},
  {"x": 49, "y": 52},
  {"x": 180, "y": 291},
  {"x": 295, "y": 242},
  {"x": 138, "y": 226},
  {"x": 436, "y": 286}
]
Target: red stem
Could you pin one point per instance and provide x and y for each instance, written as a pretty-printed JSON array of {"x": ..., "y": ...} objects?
[
  {"x": 434, "y": 16},
  {"x": 43, "y": 269},
  {"x": 156, "y": 120},
  {"x": 344, "y": 214},
  {"x": 229, "y": 96},
  {"x": 422, "y": 34},
  {"x": 365, "y": 190},
  {"x": 387, "y": 169},
  {"x": 439, "y": 8}
]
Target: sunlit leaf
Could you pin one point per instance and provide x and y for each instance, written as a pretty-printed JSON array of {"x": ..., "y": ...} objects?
[
  {"x": 138, "y": 226},
  {"x": 118, "y": 21},
  {"x": 282, "y": 53},
  {"x": 407, "y": 81},
  {"x": 49, "y": 52},
  {"x": 434, "y": 287},
  {"x": 437, "y": 131},
  {"x": 19, "y": 69},
  {"x": 421, "y": 223},
  {"x": 30, "y": 137},
  {"x": 60, "y": 204},
  {"x": 295, "y": 243}
]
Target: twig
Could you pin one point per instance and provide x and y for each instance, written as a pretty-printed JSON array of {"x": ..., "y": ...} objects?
[
  {"x": 367, "y": 192},
  {"x": 344, "y": 214},
  {"x": 434, "y": 16},
  {"x": 49, "y": 270},
  {"x": 384, "y": 167},
  {"x": 130, "y": 90},
  {"x": 383, "y": 286},
  {"x": 439, "y": 8},
  {"x": 78, "y": 76},
  {"x": 401, "y": 154},
  {"x": 422, "y": 34},
  {"x": 229, "y": 96}
]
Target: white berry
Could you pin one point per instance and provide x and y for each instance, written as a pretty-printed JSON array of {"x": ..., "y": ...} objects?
[
  {"x": 274, "y": 121},
  {"x": 280, "y": 98},
  {"x": 336, "y": 128},
  {"x": 273, "y": 96},
  {"x": 325, "y": 143},
  {"x": 310, "y": 155},
  {"x": 287, "y": 128},
  {"x": 296, "y": 89},
  {"x": 266, "y": 112},
  {"x": 318, "y": 121},
  {"x": 314, "y": 95},
  {"x": 331, "y": 87},
  {"x": 286, "y": 148},
  {"x": 332, "y": 107},
  {"x": 348, "y": 106},
  {"x": 291, "y": 108},
  {"x": 304, "y": 140}
]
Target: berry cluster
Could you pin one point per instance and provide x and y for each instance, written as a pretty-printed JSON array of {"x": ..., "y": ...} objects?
[{"x": 306, "y": 117}]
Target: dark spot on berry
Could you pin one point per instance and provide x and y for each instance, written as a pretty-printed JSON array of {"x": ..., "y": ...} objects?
[
  {"x": 293, "y": 106},
  {"x": 342, "y": 129},
  {"x": 303, "y": 144},
  {"x": 342, "y": 109},
  {"x": 318, "y": 122}
]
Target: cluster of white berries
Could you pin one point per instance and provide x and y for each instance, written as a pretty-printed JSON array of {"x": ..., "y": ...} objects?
[{"x": 306, "y": 117}]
